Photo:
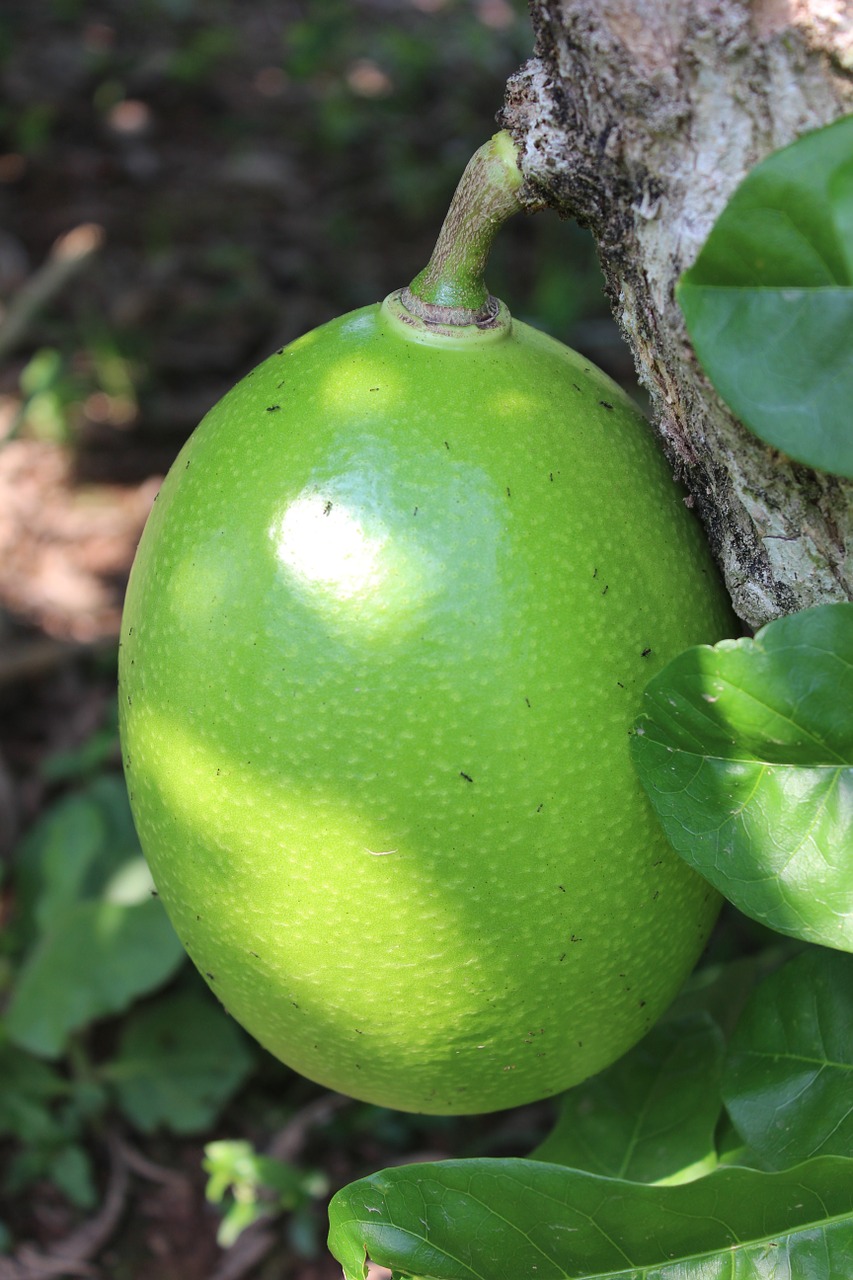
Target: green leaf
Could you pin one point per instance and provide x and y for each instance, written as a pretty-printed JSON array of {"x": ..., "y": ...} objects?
[
  {"x": 746, "y": 752},
  {"x": 234, "y": 1164},
  {"x": 27, "y": 1090},
  {"x": 70, "y": 1170},
  {"x": 650, "y": 1117},
  {"x": 240, "y": 1215},
  {"x": 82, "y": 846},
  {"x": 254, "y": 1185},
  {"x": 179, "y": 1061},
  {"x": 54, "y": 860},
  {"x": 100, "y": 958},
  {"x": 788, "y": 1081},
  {"x": 504, "y": 1219},
  {"x": 769, "y": 301}
]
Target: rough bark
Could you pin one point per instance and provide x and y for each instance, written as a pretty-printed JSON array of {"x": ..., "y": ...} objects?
[{"x": 639, "y": 118}]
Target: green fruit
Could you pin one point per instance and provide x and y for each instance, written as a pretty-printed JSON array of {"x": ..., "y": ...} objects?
[{"x": 384, "y": 641}]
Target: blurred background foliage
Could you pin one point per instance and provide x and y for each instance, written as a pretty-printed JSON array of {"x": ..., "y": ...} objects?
[
  {"x": 256, "y": 168},
  {"x": 186, "y": 185}
]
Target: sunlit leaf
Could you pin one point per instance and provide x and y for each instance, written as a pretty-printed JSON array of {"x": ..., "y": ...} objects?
[{"x": 746, "y": 752}]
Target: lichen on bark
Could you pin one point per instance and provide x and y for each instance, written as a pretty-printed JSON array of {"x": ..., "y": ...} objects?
[{"x": 639, "y": 118}]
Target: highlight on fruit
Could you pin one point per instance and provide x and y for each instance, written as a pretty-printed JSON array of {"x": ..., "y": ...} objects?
[{"x": 384, "y": 640}]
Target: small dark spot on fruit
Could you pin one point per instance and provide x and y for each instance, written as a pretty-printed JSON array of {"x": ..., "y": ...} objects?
[
  {"x": 446, "y": 445},
  {"x": 280, "y": 351},
  {"x": 562, "y": 888},
  {"x": 641, "y": 1004},
  {"x": 540, "y": 808},
  {"x": 198, "y": 917},
  {"x": 415, "y": 512},
  {"x": 655, "y": 895},
  {"x": 209, "y": 975},
  {"x": 595, "y": 573},
  {"x": 255, "y": 954},
  {"x": 645, "y": 653},
  {"x": 466, "y": 776},
  {"x": 357, "y": 1032},
  {"x": 271, "y": 408},
  {"x": 187, "y": 467},
  {"x": 620, "y": 684},
  {"x": 606, "y": 589},
  {"x": 576, "y": 387},
  {"x": 527, "y": 700},
  {"x": 605, "y": 404},
  {"x": 327, "y": 510},
  {"x": 562, "y": 957},
  {"x": 154, "y": 893},
  {"x": 508, "y": 494},
  {"x": 374, "y": 388},
  {"x": 295, "y": 1005}
]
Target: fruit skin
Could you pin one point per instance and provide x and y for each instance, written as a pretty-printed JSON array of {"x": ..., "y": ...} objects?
[{"x": 384, "y": 640}]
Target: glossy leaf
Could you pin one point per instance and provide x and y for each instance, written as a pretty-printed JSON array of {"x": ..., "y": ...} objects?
[
  {"x": 179, "y": 1061},
  {"x": 100, "y": 957},
  {"x": 651, "y": 1116},
  {"x": 746, "y": 752},
  {"x": 769, "y": 301},
  {"x": 788, "y": 1083},
  {"x": 502, "y": 1219}
]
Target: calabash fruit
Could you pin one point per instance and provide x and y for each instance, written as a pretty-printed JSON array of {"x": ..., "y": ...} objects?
[{"x": 383, "y": 644}]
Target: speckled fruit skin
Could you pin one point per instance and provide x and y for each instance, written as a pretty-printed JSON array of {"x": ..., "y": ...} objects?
[{"x": 383, "y": 644}]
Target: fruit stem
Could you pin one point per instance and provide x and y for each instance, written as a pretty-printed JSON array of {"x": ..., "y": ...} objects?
[{"x": 451, "y": 289}]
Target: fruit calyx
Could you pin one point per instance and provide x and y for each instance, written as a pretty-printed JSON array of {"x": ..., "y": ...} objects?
[{"x": 450, "y": 293}]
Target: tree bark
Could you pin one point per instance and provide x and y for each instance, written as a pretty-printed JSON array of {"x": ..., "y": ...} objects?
[{"x": 639, "y": 118}]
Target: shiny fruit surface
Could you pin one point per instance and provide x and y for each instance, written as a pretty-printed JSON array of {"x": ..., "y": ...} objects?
[{"x": 384, "y": 640}]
